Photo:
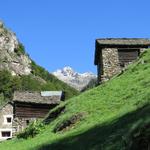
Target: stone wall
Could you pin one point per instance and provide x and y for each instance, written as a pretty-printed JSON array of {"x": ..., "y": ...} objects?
[
  {"x": 6, "y": 112},
  {"x": 19, "y": 124},
  {"x": 110, "y": 63}
]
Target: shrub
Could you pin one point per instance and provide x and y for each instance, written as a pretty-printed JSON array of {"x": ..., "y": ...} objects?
[
  {"x": 32, "y": 130},
  {"x": 20, "y": 50},
  {"x": 5, "y": 83}
]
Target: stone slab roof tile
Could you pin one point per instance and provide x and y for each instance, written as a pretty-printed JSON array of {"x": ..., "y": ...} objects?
[
  {"x": 123, "y": 41},
  {"x": 37, "y": 97}
]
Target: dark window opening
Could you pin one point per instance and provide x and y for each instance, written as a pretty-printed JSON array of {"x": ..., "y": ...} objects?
[
  {"x": 27, "y": 122},
  {"x": 126, "y": 56},
  {"x": 122, "y": 64},
  {"x": 6, "y": 133},
  {"x": 9, "y": 120}
]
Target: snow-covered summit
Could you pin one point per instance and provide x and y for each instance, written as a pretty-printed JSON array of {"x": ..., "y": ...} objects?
[{"x": 77, "y": 80}]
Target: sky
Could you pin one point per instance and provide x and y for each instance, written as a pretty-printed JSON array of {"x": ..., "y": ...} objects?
[{"x": 58, "y": 33}]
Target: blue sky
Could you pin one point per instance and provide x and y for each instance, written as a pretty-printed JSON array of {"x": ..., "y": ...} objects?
[{"x": 58, "y": 33}]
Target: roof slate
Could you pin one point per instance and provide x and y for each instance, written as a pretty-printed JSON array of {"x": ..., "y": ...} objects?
[
  {"x": 123, "y": 41},
  {"x": 36, "y": 97}
]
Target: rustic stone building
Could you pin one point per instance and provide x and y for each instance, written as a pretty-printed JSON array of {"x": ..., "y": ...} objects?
[
  {"x": 113, "y": 54},
  {"x": 25, "y": 108},
  {"x": 6, "y": 117}
]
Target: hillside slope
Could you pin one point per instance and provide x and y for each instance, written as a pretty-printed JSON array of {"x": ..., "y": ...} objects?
[
  {"x": 114, "y": 116},
  {"x": 19, "y": 72}
]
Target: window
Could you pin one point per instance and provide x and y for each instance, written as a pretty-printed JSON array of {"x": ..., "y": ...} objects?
[
  {"x": 5, "y": 133},
  {"x": 27, "y": 122},
  {"x": 8, "y": 119}
]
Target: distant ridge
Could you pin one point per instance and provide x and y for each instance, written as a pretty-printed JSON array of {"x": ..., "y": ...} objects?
[{"x": 76, "y": 80}]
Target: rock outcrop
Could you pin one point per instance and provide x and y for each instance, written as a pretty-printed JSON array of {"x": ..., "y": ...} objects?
[{"x": 12, "y": 56}]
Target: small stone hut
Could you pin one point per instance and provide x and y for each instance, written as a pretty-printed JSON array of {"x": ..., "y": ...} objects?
[
  {"x": 113, "y": 54},
  {"x": 25, "y": 108}
]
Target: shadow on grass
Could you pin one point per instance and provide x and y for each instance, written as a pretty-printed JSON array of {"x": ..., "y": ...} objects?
[{"x": 110, "y": 136}]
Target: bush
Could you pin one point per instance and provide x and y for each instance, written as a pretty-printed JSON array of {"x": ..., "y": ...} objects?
[
  {"x": 20, "y": 50},
  {"x": 5, "y": 83},
  {"x": 32, "y": 130},
  {"x": 29, "y": 83}
]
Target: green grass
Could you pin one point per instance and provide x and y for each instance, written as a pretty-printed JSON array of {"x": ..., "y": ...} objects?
[{"x": 113, "y": 111}]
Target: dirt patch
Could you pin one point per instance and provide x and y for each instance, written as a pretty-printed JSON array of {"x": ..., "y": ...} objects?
[{"x": 67, "y": 124}]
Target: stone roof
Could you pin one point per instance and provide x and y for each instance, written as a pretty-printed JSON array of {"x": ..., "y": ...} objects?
[
  {"x": 123, "y": 41},
  {"x": 119, "y": 43},
  {"x": 47, "y": 97}
]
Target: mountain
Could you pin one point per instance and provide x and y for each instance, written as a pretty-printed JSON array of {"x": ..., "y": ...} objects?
[
  {"x": 74, "y": 79},
  {"x": 19, "y": 72},
  {"x": 112, "y": 116},
  {"x": 12, "y": 54}
]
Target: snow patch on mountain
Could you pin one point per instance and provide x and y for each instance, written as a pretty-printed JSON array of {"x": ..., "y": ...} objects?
[{"x": 76, "y": 80}]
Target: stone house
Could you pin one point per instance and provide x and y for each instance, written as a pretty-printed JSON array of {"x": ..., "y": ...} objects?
[
  {"x": 6, "y": 117},
  {"x": 113, "y": 54},
  {"x": 24, "y": 108}
]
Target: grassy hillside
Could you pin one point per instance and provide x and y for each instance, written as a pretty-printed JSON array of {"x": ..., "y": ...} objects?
[{"x": 115, "y": 116}]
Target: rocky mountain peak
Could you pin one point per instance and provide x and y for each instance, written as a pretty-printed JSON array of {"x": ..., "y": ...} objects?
[
  {"x": 67, "y": 72},
  {"x": 77, "y": 80}
]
